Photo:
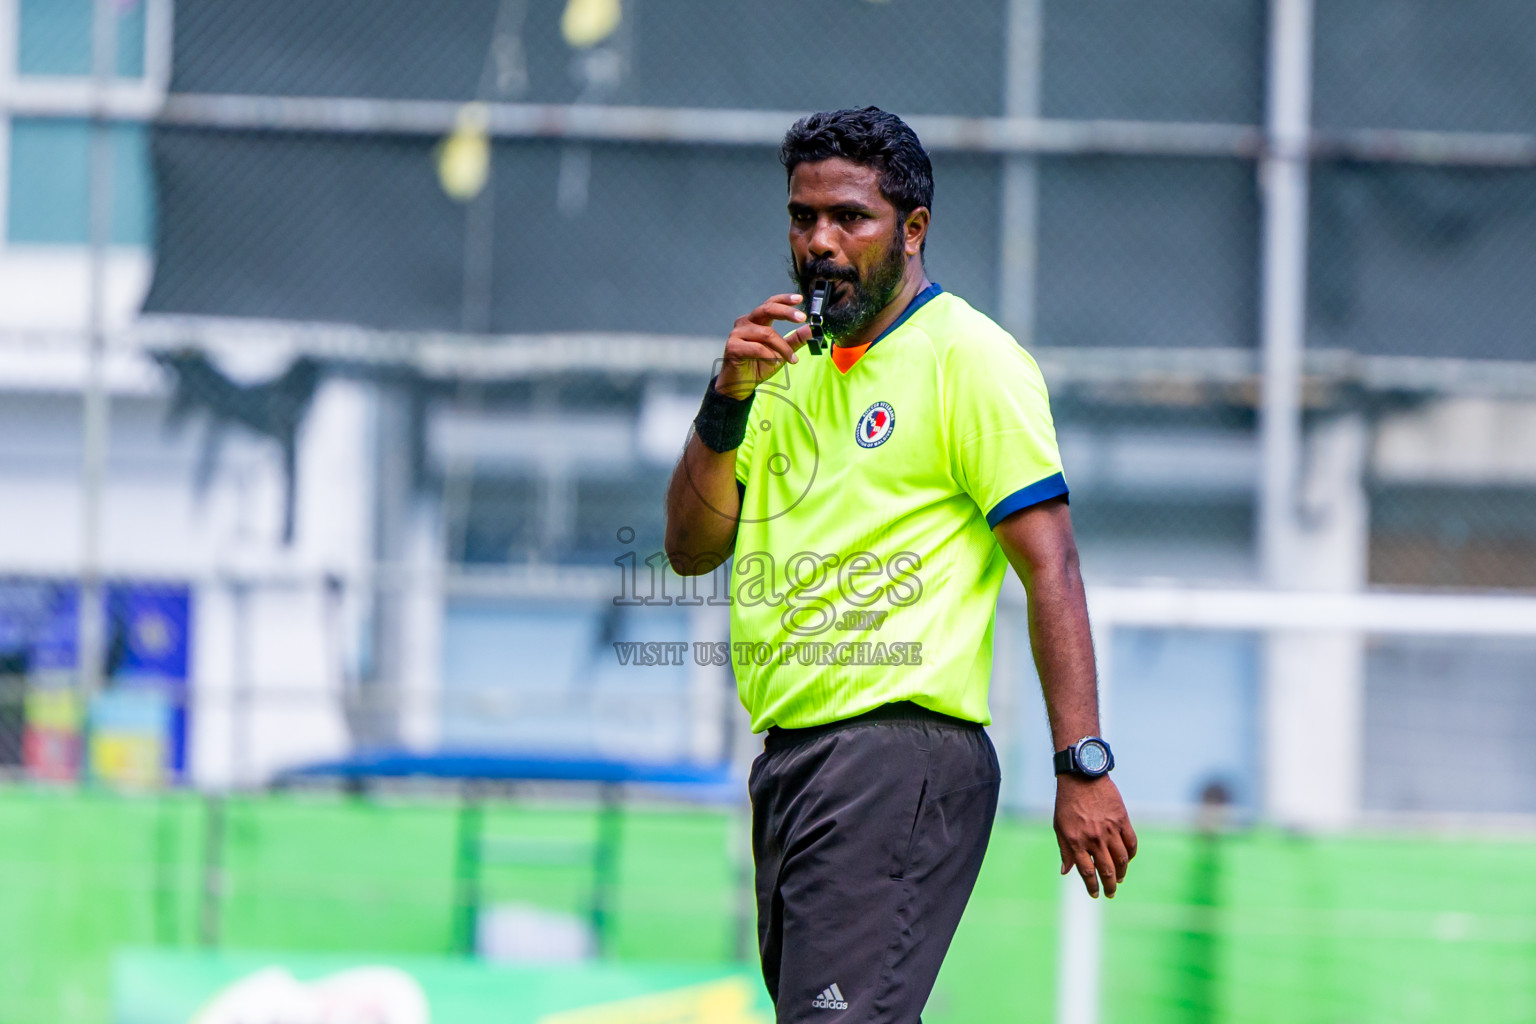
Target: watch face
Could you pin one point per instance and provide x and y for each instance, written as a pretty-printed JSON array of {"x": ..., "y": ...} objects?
[{"x": 1092, "y": 757}]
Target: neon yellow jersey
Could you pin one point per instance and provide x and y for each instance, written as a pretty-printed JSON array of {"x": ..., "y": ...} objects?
[{"x": 865, "y": 569}]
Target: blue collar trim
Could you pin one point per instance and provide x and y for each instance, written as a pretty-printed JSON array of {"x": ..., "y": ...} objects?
[{"x": 918, "y": 301}]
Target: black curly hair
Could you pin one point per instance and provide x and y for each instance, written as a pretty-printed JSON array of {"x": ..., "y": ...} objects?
[{"x": 868, "y": 136}]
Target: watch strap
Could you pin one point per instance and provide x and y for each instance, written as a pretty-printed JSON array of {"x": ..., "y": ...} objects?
[{"x": 1065, "y": 761}]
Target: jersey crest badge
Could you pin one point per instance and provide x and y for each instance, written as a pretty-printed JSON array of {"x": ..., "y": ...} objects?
[{"x": 875, "y": 425}]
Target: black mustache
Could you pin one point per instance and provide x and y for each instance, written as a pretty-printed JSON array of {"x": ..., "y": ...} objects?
[{"x": 829, "y": 272}]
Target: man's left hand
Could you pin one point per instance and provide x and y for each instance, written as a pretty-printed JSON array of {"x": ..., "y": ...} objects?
[{"x": 1093, "y": 831}]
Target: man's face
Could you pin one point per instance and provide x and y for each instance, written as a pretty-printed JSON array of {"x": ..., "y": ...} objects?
[{"x": 842, "y": 229}]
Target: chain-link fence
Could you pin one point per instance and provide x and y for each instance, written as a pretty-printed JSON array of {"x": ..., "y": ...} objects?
[{"x": 398, "y": 309}]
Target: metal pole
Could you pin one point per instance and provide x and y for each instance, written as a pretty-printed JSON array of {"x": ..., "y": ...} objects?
[
  {"x": 1008, "y": 625},
  {"x": 1283, "y": 179},
  {"x": 1080, "y": 953},
  {"x": 467, "y": 869},
  {"x": 95, "y": 410},
  {"x": 605, "y": 865},
  {"x": 1283, "y": 188},
  {"x": 242, "y": 705},
  {"x": 1021, "y": 99},
  {"x": 212, "y": 893},
  {"x": 1080, "y": 947},
  {"x": 10, "y": 18}
]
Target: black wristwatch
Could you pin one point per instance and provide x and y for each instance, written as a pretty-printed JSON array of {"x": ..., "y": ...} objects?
[{"x": 1089, "y": 757}]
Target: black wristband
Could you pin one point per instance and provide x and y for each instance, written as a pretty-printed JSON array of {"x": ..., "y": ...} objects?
[{"x": 722, "y": 420}]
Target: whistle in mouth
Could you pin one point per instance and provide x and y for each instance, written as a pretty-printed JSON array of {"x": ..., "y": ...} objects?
[{"x": 819, "y": 292}]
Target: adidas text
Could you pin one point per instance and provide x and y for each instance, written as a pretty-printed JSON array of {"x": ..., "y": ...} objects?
[{"x": 831, "y": 998}]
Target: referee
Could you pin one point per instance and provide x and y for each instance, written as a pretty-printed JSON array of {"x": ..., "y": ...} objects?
[{"x": 873, "y": 498}]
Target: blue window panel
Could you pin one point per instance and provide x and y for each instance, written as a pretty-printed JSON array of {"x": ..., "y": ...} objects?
[
  {"x": 50, "y": 183},
  {"x": 1184, "y": 715},
  {"x": 54, "y": 37},
  {"x": 547, "y": 678}
]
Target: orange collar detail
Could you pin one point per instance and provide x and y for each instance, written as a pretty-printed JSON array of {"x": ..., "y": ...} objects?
[{"x": 846, "y": 357}]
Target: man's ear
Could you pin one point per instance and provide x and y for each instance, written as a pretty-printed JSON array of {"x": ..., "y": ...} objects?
[{"x": 916, "y": 228}]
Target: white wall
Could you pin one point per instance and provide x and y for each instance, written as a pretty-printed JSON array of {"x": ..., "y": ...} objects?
[{"x": 155, "y": 523}]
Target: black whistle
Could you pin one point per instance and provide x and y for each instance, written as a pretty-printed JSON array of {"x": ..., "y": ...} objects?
[{"x": 819, "y": 292}]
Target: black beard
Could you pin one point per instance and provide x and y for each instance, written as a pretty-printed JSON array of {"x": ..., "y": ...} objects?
[{"x": 862, "y": 298}]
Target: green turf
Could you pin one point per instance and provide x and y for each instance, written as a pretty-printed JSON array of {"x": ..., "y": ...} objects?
[
  {"x": 80, "y": 876},
  {"x": 337, "y": 875},
  {"x": 1266, "y": 927},
  {"x": 1251, "y": 927},
  {"x": 1002, "y": 965}
]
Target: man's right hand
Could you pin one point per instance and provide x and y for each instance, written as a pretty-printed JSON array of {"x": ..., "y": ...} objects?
[{"x": 755, "y": 350}]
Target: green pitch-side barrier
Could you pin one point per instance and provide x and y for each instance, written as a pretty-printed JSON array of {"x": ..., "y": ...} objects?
[
  {"x": 1251, "y": 926},
  {"x": 173, "y": 987}
]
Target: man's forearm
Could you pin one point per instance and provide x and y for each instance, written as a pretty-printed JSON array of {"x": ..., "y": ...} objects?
[
  {"x": 1063, "y": 648},
  {"x": 1092, "y": 828},
  {"x": 702, "y": 503},
  {"x": 702, "y": 509}
]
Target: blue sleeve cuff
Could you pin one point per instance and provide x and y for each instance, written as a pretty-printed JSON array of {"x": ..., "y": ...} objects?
[{"x": 1053, "y": 486}]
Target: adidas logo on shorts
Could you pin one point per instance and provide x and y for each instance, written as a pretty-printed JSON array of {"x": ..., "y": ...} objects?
[{"x": 831, "y": 998}]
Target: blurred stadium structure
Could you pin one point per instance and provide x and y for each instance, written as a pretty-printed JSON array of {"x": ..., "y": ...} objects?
[{"x": 347, "y": 348}]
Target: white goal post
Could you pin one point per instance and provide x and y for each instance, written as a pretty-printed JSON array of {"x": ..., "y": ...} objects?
[{"x": 1080, "y": 946}]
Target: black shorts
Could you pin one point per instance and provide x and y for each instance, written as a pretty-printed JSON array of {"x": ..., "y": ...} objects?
[{"x": 868, "y": 835}]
